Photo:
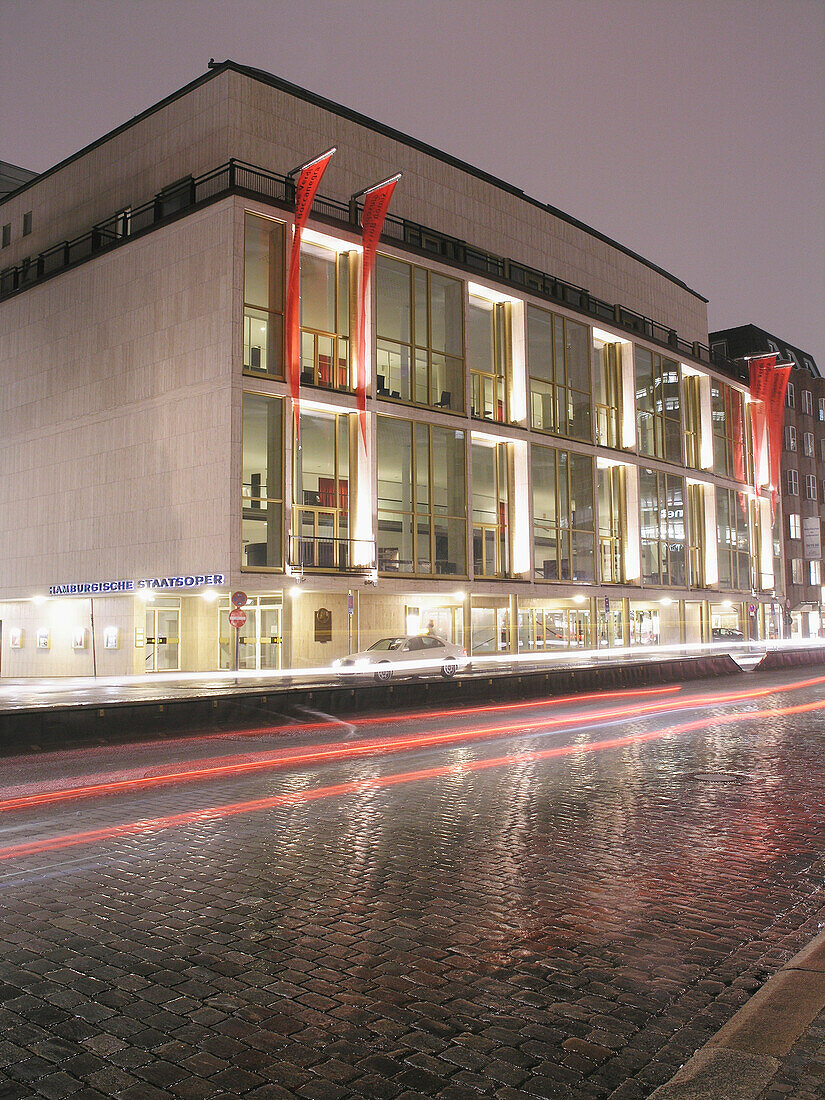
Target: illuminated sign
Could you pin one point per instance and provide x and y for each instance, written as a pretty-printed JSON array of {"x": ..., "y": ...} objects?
[{"x": 102, "y": 588}]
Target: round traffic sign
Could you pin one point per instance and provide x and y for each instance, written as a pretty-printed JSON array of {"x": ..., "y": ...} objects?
[
  {"x": 237, "y": 617},
  {"x": 239, "y": 599}
]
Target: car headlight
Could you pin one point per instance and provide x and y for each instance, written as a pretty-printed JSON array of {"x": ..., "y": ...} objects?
[
  {"x": 362, "y": 662},
  {"x": 336, "y": 663}
]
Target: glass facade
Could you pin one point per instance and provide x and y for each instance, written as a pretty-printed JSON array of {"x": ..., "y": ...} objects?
[
  {"x": 487, "y": 353},
  {"x": 422, "y": 510},
  {"x": 658, "y": 415},
  {"x": 612, "y": 523},
  {"x": 325, "y": 317},
  {"x": 733, "y": 539},
  {"x": 608, "y": 398},
  {"x": 491, "y": 557},
  {"x": 449, "y": 502},
  {"x": 263, "y": 318},
  {"x": 728, "y": 419},
  {"x": 262, "y": 487},
  {"x": 662, "y": 500},
  {"x": 558, "y": 363},
  {"x": 419, "y": 319},
  {"x": 563, "y": 516},
  {"x": 321, "y": 492}
]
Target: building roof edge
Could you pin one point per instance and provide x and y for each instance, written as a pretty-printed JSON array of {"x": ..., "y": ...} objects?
[{"x": 363, "y": 120}]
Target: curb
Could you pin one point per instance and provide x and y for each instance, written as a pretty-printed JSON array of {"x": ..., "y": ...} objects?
[
  {"x": 744, "y": 1056},
  {"x": 61, "y": 726}
]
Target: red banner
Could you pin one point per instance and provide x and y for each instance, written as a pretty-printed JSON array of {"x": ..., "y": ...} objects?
[
  {"x": 305, "y": 188},
  {"x": 738, "y": 441},
  {"x": 768, "y": 386},
  {"x": 376, "y": 203}
]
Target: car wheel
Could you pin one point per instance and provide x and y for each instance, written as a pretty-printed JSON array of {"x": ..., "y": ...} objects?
[
  {"x": 449, "y": 669},
  {"x": 384, "y": 673}
]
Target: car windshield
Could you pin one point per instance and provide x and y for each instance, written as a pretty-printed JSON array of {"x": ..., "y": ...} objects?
[{"x": 388, "y": 643}]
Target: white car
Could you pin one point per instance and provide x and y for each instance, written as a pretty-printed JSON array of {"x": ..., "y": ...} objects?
[{"x": 409, "y": 655}]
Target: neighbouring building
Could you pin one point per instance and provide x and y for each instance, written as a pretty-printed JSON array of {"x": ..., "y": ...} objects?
[
  {"x": 553, "y": 460},
  {"x": 802, "y": 475}
]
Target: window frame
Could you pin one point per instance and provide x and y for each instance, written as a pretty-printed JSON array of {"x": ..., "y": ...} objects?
[
  {"x": 264, "y": 502},
  {"x": 420, "y": 351},
  {"x": 560, "y": 393}
]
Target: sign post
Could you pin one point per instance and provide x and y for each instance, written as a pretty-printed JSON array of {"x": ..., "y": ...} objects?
[
  {"x": 350, "y": 609},
  {"x": 237, "y": 618}
]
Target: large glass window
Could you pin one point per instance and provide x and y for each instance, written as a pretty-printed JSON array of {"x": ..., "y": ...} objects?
[
  {"x": 728, "y": 415},
  {"x": 488, "y": 354},
  {"x": 490, "y": 497},
  {"x": 563, "y": 520},
  {"x": 696, "y": 534},
  {"x": 263, "y": 491},
  {"x": 611, "y": 485},
  {"x": 325, "y": 320},
  {"x": 692, "y": 394},
  {"x": 321, "y": 493},
  {"x": 658, "y": 417},
  {"x": 608, "y": 392},
  {"x": 733, "y": 538},
  {"x": 419, "y": 335},
  {"x": 263, "y": 322},
  {"x": 558, "y": 361},
  {"x": 662, "y": 500},
  {"x": 422, "y": 510}
]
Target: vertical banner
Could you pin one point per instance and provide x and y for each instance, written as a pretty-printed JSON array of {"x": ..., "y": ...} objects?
[
  {"x": 376, "y": 202},
  {"x": 738, "y": 442},
  {"x": 768, "y": 386},
  {"x": 308, "y": 179}
]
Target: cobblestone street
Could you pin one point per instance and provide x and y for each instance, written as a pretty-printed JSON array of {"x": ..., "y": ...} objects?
[{"x": 540, "y": 901}]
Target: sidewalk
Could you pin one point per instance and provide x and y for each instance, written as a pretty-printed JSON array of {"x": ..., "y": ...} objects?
[{"x": 772, "y": 1049}]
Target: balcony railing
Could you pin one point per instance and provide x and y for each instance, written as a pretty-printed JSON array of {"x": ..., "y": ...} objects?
[
  {"x": 332, "y": 555},
  {"x": 238, "y": 177}
]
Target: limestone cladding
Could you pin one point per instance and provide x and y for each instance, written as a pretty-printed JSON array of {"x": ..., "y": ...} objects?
[
  {"x": 274, "y": 129},
  {"x": 232, "y": 114},
  {"x": 187, "y": 136},
  {"x": 115, "y": 413}
]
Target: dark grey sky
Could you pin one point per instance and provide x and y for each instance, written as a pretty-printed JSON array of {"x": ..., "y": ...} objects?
[{"x": 693, "y": 131}]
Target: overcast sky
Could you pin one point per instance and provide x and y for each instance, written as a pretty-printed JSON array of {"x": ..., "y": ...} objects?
[{"x": 692, "y": 131}]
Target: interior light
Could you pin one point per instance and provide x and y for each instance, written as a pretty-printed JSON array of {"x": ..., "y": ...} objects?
[
  {"x": 145, "y": 595},
  {"x": 579, "y": 599},
  {"x": 666, "y": 601},
  {"x": 210, "y": 595},
  {"x": 295, "y": 592},
  {"x": 460, "y": 595},
  {"x": 39, "y": 600}
]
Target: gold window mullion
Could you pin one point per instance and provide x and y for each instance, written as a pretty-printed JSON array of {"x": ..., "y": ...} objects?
[{"x": 430, "y": 504}]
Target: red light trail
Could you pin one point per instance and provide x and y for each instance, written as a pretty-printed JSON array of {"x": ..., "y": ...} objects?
[
  {"x": 225, "y": 767},
  {"x": 215, "y": 813}
]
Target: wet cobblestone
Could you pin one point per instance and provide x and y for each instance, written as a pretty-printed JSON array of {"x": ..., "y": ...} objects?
[{"x": 570, "y": 927}]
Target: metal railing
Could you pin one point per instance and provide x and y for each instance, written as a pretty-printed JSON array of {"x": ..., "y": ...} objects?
[
  {"x": 240, "y": 177},
  {"x": 332, "y": 555}
]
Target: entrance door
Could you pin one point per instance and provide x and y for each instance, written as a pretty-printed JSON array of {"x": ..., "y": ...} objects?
[
  {"x": 162, "y": 639},
  {"x": 269, "y": 639},
  {"x": 260, "y": 643}
]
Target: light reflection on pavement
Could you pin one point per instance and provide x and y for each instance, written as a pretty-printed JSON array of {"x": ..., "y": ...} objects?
[{"x": 495, "y": 907}]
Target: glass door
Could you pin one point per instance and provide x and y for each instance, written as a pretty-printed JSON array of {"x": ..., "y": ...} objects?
[
  {"x": 163, "y": 637},
  {"x": 270, "y": 639},
  {"x": 260, "y": 642}
]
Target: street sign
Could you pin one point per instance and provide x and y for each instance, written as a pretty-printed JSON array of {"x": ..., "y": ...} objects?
[
  {"x": 607, "y": 603},
  {"x": 239, "y": 599},
  {"x": 237, "y": 617},
  {"x": 350, "y": 603}
]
